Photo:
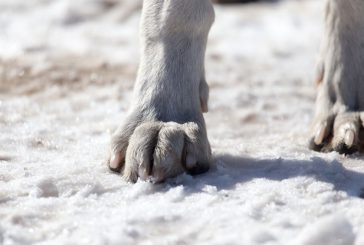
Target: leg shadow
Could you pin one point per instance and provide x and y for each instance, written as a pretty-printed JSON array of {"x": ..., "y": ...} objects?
[{"x": 232, "y": 170}]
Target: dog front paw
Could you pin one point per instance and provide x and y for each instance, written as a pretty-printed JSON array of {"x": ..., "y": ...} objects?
[{"x": 158, "y": 150}]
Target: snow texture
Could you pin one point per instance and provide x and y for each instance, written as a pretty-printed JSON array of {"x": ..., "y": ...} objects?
[{"x": 67, "y": 70}]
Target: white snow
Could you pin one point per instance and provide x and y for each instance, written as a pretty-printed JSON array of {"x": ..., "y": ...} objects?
[{"x": 66, "y": 74}]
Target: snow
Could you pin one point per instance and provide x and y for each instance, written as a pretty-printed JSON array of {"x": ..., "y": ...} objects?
[
  {"x": 67, "y": 69},
  {"x": 331, "y": 230}
]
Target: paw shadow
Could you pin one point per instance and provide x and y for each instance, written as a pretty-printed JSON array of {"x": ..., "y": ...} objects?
[{"x": 232, "y": 170}]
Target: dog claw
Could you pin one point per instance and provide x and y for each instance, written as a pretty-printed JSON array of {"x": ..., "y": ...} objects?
[
  {"x": 349, "y": 138},
  {"x": 320, "y": 135}
]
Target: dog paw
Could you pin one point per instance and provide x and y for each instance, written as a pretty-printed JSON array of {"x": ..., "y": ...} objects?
[
  {"x": 154, "y": 151},
  {"x": 340, "y": 132}
]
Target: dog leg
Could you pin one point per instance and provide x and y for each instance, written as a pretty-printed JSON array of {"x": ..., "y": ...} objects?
[
  {"x": 164, "y": 133},
  {"x": 340, "y": 100}
]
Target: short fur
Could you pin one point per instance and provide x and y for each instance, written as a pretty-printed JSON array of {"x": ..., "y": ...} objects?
[
  {"x": 164, "y": 133},
  {"x": 340, "y": 100}
]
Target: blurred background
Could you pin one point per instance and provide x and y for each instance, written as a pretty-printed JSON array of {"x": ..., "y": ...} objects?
[
  {"x": 67, "y": 69},
  {"x": 261, "y": 56},
  {"x": 43, "y": 35}
]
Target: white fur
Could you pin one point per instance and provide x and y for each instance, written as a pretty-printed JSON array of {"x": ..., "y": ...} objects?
[
  {"x": 164, "y": 133},
  {"x": 340, "y": 98}
]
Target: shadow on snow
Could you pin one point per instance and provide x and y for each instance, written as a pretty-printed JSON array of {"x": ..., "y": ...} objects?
[{"x": 232, "y": 170}]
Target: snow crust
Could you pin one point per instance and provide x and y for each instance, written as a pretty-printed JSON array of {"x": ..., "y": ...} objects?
[{"x": 67, "y": 70}]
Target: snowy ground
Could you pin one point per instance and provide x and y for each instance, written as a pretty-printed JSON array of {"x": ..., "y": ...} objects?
[{"x": 66, "y": 72}]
